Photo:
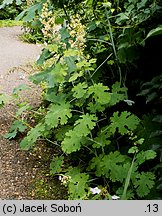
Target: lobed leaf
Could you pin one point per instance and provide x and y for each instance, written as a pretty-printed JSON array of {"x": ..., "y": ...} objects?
[
  {"x": 58, "y": 114},
  {"x": 55, "y": 165},
  {"x": 100, "y": 93},
  {"x": 144, "y": 183},
  {"x": 78, "y": 184},
  {"x": 142, "y": 156},
  {"x": 118, "y": 93},
  {"x": 32, "y": 136},
  {"x": 124, "y": 122},
  {"x": 16, "y": 127},
  {"x": 76, "y": 137},
  {"x": 102, "y": 139},
  {"x": 110, "y": 166},
  {"x": 80, "y": 90}
]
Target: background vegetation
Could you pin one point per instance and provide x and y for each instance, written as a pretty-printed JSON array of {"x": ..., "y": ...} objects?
[{"x": 100, "y": 72}]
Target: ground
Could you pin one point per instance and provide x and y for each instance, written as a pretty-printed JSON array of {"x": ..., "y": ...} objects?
[{"x": 23, "y": 174}]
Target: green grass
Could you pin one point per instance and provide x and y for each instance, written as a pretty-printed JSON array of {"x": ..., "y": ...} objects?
[{"x": 10, "y": 23}]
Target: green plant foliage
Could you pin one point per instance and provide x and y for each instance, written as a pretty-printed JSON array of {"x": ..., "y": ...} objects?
[
  {"x": 6, "y": 2},
  {"x": 154, "y": 32},
  {"x": 125, "y": 194},
  {"x": 142, "y": 156},
  {"x": 152, "y": 90},
  {"x": 100, "y": 94},
  {"x": 9, "y": 9},
  {"x": 32, "y": 136},
  {"x": 118, "y": 93},
  {"x": 30, "y": 13},
  {"x": 123, "y": 122},
  {"x": 74, "y": 138},
  {"x": 22, "y": 108},
  {"x": 80, "y": 90},
  {"x": 77, "y": 184},
  {"x": 58, "y": 114},
  {"x": 16, "y": 127},
  {"x": 102, "y": 139},
  {"x": 109, "y": 165},
  {"x": 86, "y": 109},
  {"x": 144, "y": 183},
  {"x": 55, "y": 165}
]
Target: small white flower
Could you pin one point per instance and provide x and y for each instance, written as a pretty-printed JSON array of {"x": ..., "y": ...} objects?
[
  {"x": 114, "y": 197},
  {"x": 95, "y": 190},
  {"x": 129, "y": 102},
  {"x": 60, "y": 178}
]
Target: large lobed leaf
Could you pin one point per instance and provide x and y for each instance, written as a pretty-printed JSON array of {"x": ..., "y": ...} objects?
[
  {"x": 55, "y": 165},
  {"x": 110, "y": 166},
  {"x": 123, "y": 122},
  {"x": 32, "y": 136},
  {"x": 144, "y": 183},
  {"x": 77, "y": 184},
  {"x": 99, "y": 92},
  {"x": 75, "y": 138},
  {"x": 58, "y": 113}
]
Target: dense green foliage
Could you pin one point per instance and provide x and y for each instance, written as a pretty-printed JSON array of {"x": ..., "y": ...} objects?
[
  {"x": 10, "y": 11},
  {"x": 99, "y": 106}
]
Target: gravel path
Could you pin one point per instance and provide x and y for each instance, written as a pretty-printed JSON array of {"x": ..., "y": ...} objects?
[
  {"x": 16, "y": 168},
  {"x": 14, "y": 53}
]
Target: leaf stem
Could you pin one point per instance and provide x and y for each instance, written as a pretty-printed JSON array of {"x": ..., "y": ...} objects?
[
  {"x": 77, "y": 111},
  {"x": 26, "y": 124},
  {"x": 113, "y": 45},
  {"x": 101, "y": 65},
  {"x": 99, "y": 40},
  {"x": 127, "y": 181}
]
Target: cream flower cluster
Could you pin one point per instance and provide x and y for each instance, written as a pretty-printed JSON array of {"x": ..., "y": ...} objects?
[
  {"x": 50, "y": 30},
  {"x": 29, "y": 2},
  {"x": 77, "y": 31}
]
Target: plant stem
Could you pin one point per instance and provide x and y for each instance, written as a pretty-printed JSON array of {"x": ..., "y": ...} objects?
[
  {"x": 113, "y": 45},
  {"x": 127, "y": 181},
  {"x": 99, "y": 40},
  {"x": 26, "y": 124},
  {"x": 101, "y": 65}
]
